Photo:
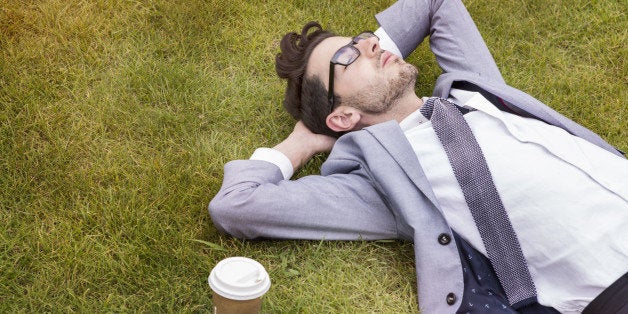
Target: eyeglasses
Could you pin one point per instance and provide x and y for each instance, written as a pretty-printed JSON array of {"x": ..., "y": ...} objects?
[{"x": 344, "y": 56}]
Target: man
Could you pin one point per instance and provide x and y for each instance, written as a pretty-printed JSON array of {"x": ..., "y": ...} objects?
[{"x": 388, "y": 176}]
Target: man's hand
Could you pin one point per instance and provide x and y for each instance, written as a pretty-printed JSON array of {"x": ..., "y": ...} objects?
[{"x": 302, "y": 144}]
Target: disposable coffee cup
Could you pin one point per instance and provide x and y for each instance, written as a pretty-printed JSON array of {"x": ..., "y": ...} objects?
[{"x": 238, "y": 284}]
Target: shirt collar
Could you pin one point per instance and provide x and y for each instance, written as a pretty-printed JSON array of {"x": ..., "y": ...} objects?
[{"x": 413, "y": 120}]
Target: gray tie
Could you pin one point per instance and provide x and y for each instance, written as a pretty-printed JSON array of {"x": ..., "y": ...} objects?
[{"x": 474, "y": 177}]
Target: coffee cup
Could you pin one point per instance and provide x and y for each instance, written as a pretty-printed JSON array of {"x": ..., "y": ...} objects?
[{"x": 238, "y": 284}]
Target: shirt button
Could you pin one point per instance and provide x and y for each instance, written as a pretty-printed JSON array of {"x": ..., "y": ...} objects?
[
  {"x": 451, "y": 299},
  {"x": 444, "y": 239}
]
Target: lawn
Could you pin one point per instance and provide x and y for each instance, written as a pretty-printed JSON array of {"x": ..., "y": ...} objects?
[{"x": 117, "y": 116}]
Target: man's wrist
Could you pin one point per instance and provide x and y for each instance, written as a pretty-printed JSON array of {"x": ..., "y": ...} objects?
[{"x": 296, "y": 151}]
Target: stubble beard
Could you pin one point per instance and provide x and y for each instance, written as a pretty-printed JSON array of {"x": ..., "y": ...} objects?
[{"x": 380, "y": 98}]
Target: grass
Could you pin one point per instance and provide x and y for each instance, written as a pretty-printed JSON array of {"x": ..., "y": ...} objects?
[{"x": 117, "y": 116}]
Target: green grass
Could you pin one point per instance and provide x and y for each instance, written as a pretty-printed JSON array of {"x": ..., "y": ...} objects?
[{"x": 117, "y": 116}]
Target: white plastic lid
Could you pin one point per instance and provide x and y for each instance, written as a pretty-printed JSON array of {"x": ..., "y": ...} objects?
[{"x": 239, "y": 278}]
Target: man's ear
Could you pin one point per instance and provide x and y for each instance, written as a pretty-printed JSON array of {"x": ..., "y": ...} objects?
[{"x": 343, "y": 119}]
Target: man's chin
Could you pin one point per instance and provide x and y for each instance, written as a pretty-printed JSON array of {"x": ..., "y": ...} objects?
[{"x": 409, "y": 74}]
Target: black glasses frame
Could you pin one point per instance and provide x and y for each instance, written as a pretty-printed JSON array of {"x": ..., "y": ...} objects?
[{"x": 335, "y": 60}]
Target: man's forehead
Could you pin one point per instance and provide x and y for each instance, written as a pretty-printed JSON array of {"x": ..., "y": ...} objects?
[{"x": 318, "y": 64}]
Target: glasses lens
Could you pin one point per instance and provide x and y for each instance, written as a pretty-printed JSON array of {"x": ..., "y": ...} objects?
[{"x": 345, "y": 55}]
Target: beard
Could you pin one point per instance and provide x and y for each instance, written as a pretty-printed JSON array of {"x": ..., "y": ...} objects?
[{"x": 379, "y": 98}]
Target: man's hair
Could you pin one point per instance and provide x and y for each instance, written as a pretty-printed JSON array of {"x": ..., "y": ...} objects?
[{"x": 306, "y": 97}]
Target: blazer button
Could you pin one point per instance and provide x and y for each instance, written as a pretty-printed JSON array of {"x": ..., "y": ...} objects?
[
  {"x": 451, "y": 299},
  {"x": 444, "y": 239}
]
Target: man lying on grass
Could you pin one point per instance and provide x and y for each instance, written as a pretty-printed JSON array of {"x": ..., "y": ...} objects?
[{"x": 511, "y": 206}]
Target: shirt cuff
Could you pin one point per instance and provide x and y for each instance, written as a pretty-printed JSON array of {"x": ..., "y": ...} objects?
[
  {"x": 276, "y": 158},
  {"x": 386, "y": 42}
]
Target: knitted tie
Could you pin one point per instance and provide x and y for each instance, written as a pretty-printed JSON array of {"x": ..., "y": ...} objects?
[{"x": 487, "y": 209}]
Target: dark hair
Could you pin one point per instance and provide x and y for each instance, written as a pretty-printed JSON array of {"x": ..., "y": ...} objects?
[{"x": 306, "y": 97}]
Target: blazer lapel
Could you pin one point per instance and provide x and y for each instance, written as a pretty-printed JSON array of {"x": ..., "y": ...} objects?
[{"x": 392, "y": 139}]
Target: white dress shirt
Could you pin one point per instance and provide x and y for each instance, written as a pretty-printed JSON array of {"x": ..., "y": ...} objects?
[{"x": 567, "y": 199}]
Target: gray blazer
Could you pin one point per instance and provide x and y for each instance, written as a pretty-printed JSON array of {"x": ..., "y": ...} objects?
[{"x": 372, "y": 185}]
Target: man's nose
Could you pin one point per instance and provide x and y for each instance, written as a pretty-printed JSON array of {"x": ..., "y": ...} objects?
[{"x": 369, "y": 47}]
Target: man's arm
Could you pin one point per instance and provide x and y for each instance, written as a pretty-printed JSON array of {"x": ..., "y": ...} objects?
[
  {"x": 255, "y": 201},
  {"x": 454, "y": 37}
]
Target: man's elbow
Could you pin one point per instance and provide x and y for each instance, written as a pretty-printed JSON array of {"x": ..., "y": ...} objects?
[{"x": 228, "y": 219}]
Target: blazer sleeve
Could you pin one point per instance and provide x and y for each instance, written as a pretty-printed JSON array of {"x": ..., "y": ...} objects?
[
  {"x": 256, "y": 202},
  {"x": 454, "y": 37}
]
